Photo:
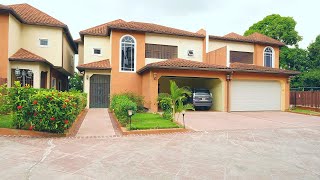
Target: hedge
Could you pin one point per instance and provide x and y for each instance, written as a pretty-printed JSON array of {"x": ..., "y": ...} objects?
[
  {"x": 45, "y": 110},
  {"x": 120, "y": 104}
]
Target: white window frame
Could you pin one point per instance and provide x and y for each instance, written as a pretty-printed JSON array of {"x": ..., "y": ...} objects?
[
  {"x": 135, "y": 54},
  {"x": 44, "y": 46},
  {"x": 273, "y": 55},
  {"x": 96, "y": 54}
]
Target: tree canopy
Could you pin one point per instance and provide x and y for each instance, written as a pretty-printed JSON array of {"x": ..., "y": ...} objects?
[
  {"x": 277, "y": 27},
  {"x": 314, "y": 53},
  {"x": 76, "y": 82},
  {"x": 307, "y": 61}
]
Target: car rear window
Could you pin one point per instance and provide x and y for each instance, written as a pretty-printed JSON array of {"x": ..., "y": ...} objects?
[{"x": 202, "y": 91}]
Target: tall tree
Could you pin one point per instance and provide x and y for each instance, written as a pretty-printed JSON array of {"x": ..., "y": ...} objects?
[
  {"x": 76, "y": 82},
  {"x": 314, "y": 53},
  {"x": 294, "y": 59},
  {"x": 277, "y": 27}
]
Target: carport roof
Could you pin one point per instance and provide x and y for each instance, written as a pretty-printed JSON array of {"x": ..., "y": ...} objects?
[{"x": 183, "y": 64}]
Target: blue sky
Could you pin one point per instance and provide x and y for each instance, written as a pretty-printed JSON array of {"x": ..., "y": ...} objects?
[{"x": 217, "y": 17}]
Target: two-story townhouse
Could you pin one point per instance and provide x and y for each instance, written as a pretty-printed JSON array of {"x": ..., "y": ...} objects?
[
  {"x": 36, "y": 49},
  {"x": 142, "y": 58}
]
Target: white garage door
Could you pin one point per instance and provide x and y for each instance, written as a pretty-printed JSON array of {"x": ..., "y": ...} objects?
[{"x": 255, "y": 95}]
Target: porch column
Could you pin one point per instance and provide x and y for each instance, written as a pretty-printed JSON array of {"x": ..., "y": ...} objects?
[{"x": 153, "y": 88}]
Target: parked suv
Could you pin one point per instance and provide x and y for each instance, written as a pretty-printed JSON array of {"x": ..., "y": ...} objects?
[{"x": 202, "y": 98}]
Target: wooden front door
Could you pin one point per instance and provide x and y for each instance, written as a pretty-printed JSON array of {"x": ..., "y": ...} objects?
[
  {"x": 44, "y": 80},
  {"x": 99, "y": 91}
]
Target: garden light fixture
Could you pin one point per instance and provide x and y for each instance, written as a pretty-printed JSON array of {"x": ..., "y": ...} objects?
[
  {"x": 130, "y": 113},
  {"x": 183, "y": 113}
]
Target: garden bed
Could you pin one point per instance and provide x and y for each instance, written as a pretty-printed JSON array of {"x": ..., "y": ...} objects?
[
  {"x": 306, "y": 111},
  {"x": 6, "y": 128},
  {"x": 149, "y": 124}
]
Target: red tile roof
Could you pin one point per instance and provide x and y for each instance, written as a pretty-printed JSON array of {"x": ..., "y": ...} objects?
[
  {"x": 176, "y": 64},
  {"x": 32, "y": 15},
  {"x": 28, "y": 14},
  {"x": 100, "y": 30},
  {"x": 98, "y": 65},
  {"x": 253, "y": 38},
  {"x": 104, "y": 29},
  {"x": 27, "y": 56},
  {"x": 241, "y": 67}
]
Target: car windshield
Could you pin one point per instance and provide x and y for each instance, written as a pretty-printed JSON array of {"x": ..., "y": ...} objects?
[{"x": 202, "y": 91}]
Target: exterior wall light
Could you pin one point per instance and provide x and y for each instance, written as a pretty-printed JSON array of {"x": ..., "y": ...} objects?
[
  {"x": 155, "y": 76},
  {"x": 228, "y": 77}
]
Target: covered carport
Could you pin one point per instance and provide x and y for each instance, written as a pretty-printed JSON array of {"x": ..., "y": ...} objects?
[
  {"x": 214, "y": 85},
  {"x": 156, "y": 78}
]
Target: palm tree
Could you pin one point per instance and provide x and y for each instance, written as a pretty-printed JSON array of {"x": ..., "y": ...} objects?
[{"x": 176, "y": 98}]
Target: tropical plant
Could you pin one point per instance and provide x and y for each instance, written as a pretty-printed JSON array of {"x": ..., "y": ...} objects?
[{"x": 176, "y": 99}]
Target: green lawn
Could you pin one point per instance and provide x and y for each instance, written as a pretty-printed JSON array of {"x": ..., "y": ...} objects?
[
  {"x": 6, "y": 121},
  {"x": 150, "y": 121},
  {"x": 304, "y": 111}
]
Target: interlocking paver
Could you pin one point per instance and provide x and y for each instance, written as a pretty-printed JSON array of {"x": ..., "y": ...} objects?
[
  {"x": 245, "y": 154},
  {"x": 96, "y": 123}
]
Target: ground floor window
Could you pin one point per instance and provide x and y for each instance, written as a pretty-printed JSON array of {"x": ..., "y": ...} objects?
[{"x": 25, "y": 76}]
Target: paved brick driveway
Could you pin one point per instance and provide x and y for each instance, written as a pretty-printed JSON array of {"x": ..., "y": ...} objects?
[
  {"x": 207, "y": 121},
  {"x": 291, "y": 153}
]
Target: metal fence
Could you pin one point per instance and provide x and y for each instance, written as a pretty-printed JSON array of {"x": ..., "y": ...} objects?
[{"x": 305, "y": 98}]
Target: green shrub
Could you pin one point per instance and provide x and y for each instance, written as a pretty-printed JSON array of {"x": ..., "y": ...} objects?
[
  {"x": 5, "y": 105},
  {"x": 120, "y": 104},
  {"x": 45, "y": 110},
  {"x": 165, "y": 104},
  {"x": 139, "y": 100}
]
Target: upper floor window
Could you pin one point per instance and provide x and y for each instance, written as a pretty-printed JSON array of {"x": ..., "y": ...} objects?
[
  {"x": 158, "y": 51},
  {"x": 97, "y": 51},
  {"x": 44, "y": 42},
  {"x": 127, "y": 53},
  {"x": 241, "y": 57},
  {"x": 268, "y": 57}
]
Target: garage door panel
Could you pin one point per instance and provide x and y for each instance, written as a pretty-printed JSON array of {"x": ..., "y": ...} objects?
[{"x": 255, "y": 95}]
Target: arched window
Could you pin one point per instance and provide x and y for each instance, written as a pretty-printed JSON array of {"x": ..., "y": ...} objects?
[
  {"x": 128, "y": 54},
  {"x": 268, "y": 57}
]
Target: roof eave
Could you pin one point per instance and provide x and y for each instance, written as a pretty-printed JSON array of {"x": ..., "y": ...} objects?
[
  {"x": 146, "y": 68},
  {"x": 245, "y": 41},
  {"x": 134, "y": 30},
  {"x": 91, "y": 68}
]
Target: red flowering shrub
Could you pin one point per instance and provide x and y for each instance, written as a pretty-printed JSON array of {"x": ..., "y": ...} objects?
[{"x": 45, "y": 110}]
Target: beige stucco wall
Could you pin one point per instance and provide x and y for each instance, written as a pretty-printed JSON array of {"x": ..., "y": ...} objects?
[
  {"x": 30, "y": 41},
  {"x": 91, "y": 42},
  {"x": 68, "y": 56},
  {"x": 184, "y": 44},
  {"x": 80, "y": 54},
  {"x": 14, "y": 35},
  {"x": 232, "y": 46},
  {"x": 86, "y": 80}
]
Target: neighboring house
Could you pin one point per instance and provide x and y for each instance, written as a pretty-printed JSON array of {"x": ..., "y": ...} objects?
[
  {"x": 36, "y": 48},
  {"x": 242, "y": 72}
]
